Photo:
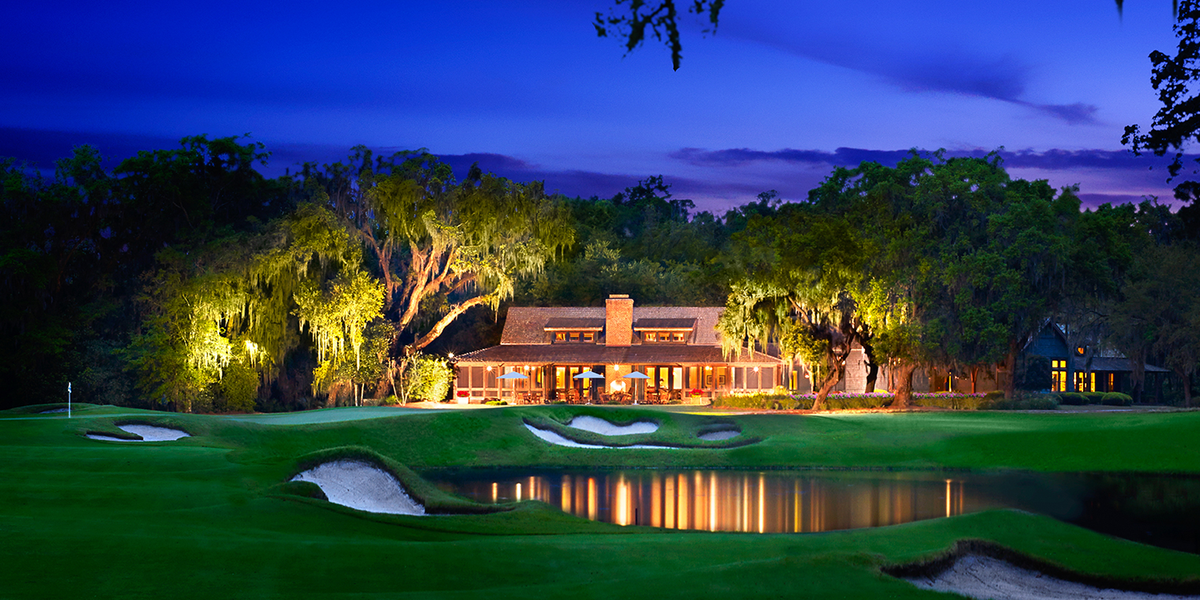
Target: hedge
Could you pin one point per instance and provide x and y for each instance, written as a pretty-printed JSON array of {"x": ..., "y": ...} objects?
[
  {"x": 851, "y": 401},
  {"x": 1116, "y": 399}
]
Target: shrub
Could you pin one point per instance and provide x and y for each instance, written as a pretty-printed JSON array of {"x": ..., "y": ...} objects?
[
  {"x": 1023, "y": 402},
  {"x": 496, "y": 403},
  {"x": 1073, "y": 399},
  {"x": 239, "y": 387},
  {"x": 1038, "y": 375},
  {"x": 1116, "y": 399},
  {"x": 761, "y": 401},
  {"x": 1094, "y": 397},
  {"x": 848, "y": 401},
  {"x": 952, "y": 400},
  {"x": 425, "y": 377}
]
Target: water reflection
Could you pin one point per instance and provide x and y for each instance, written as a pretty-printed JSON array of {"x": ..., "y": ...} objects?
[
  {"x": 1161, "y": 510},
  {"x": 766, "y": 502}
]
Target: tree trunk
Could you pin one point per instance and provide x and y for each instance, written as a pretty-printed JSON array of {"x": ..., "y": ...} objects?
[
  {"x": 903, "y": 373},
  {"x": 1138, "y": 376},
  {"x": 974, "y": 379},
  {"x": 834, "y": 377},
  {"x": 872, "y": 366},
  {"x": 1010, "y": 365},
  {"x": 1186, "y": 379}
]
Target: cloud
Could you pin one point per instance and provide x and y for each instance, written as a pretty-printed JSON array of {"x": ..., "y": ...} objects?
[
  {"x": 1054, "y": 159},
  {"x": 952, "y": 69}
]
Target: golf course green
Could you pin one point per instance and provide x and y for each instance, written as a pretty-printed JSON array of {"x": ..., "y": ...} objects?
[{"x": 213, "y": 515}]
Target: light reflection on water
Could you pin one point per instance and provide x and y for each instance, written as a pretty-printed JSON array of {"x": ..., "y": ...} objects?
[
  {"x": 1157, "y": 509},
  {"x": 762, "y": 502}
]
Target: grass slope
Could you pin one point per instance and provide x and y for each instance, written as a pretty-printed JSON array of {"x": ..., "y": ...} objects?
[{"x": 207, "y": 516}]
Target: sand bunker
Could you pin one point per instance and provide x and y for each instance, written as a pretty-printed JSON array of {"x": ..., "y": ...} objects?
[
  {"x": 362, "y": 486},
  {"x": 983, "y": 577},
  {"x": 52, "y": 411},
  {"x": 559, "y": 440},
  {"x": 719, "y": 436},
  {"x": 602, "y": 427},
  {"x": 149, "y": 433}
]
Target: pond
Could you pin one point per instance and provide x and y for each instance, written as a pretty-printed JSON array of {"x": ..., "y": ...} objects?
[{"x": 1156, "y": 509}]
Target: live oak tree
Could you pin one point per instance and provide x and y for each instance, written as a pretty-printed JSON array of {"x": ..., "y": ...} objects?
[
  {"x": 803, "y": 270},
  {"x": 441, "y": 247},
  {"x": 234, "y": 301},
  {"x": 632, "y": 21}
]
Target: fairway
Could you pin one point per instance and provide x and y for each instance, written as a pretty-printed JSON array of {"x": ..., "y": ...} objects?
[{"x": 209, "y": 515}]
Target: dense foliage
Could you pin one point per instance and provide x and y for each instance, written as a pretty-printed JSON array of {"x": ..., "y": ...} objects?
[{"x": 184, "y": 279}]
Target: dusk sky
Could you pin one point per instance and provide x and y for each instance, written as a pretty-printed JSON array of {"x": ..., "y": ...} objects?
[{"x": 780, "y": 95}]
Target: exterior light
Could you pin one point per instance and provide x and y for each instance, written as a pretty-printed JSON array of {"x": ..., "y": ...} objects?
[
  {"x": 489, "y": 367},
  {"x": 708, "y": 367},
  {"x": 755, "y": 369},
  {"x": 616, "y": 367},
  {"x": 450, "y": 355}
]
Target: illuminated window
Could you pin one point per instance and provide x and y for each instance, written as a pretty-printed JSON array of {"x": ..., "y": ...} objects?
[
  {"x": 1084, "y": 383},
  {"x": 589, "y": 337},
  {"x": 664, "y": 336},
  {"x": 560, "y": 336},
  {"x": 1059, "y": 375},
  {"x": 574, "y": 336}
]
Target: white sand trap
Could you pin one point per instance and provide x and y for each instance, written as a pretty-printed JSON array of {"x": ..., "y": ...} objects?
[
  {"x": 983, "y": 577},
  {"x": 602, "y": 427},
  {"x": 718, "y": 436},
  {"x": 559, "y": 440},
  {"x": 362, "y": 486},
  {"x": 149, "y": 433},
  {"x": 52, "y": 411}
]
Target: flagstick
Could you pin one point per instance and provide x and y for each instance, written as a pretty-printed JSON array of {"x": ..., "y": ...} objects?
[{"x": 68, "y": 399}]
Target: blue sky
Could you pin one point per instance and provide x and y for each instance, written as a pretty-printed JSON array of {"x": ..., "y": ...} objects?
[{"x": 780, "y": 95}]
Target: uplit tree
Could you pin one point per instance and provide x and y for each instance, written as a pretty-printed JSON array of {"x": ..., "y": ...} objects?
[
  {"x": 442, "y": 247},
  {"x": 233, "y": 300},
  {"x": 803, "y": 270}
]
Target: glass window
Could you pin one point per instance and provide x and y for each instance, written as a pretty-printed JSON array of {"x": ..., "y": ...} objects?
[
  {"x": 589, "y": 336},
  {"x": 677, "y": 337},
  {"x": 560, "y": 336},
  {"x": 650, "y": 336}
]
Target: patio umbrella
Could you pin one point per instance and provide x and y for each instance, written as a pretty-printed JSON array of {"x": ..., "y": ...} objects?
[
  {"x": 591, "y": 376},
  {"x": 636, "y": 375},
  {"x": 512, "y": 375}
]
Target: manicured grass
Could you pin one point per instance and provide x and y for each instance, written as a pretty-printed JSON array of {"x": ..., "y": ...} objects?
[{"x": 208, "y": 516}]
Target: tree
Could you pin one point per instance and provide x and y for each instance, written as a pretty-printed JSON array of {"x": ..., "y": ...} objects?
[
  {"x": 660, "y": 18},
  {"x": 441, "y": 247},
  {"x": 234, "y": 301},
  {"x": 803, "y": 270},
  {"x": 1177, "y": 122},
  {"x": 425, "y": 378},
  {"x": 1156, "y": 314}
]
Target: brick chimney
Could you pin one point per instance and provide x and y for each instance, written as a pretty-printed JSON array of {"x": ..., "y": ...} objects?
[{"x": 618, "y": 320}]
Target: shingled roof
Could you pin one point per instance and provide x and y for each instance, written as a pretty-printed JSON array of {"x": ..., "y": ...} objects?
[
  {"x": 660, "y": 324},
  {"x": 599, "y": 354},
  {"x": 527, "y": 325}
]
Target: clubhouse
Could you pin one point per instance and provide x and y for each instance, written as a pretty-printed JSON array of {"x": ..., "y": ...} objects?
[{"x": 651, "y": 354}]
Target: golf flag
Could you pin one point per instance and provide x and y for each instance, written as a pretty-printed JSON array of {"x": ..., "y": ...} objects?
[{"x": 68, "y": 387}]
